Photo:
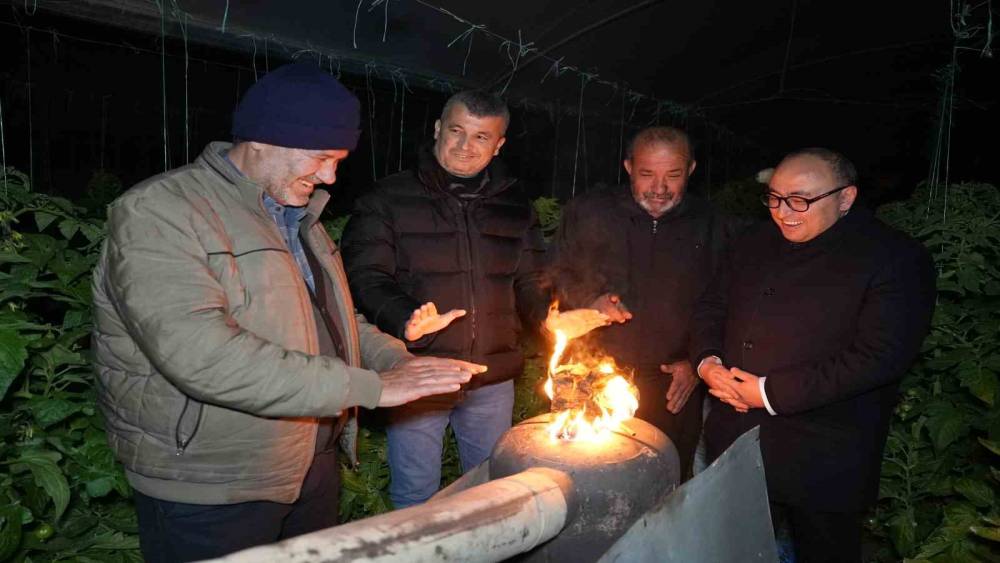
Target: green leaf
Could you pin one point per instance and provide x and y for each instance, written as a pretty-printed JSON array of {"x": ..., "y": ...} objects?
[
  {"x": 978, "y": 492},
  {"x": 10, "y": 530},
  {"x": 990, "y": 445},
  {"x": 47, "y": 475},
  {"x": 903, "y": 531},
  {"x": 50, "y": 411},
  {"x": 68, "y": 228},
  {"x": 13, "y": 353},
  {"x": 92, "y": 232},
  {"x": 114, "y": 541},
  {"x": 100, "y": 487},
  {"x": 982, "y": 383},
  {"x": 992, "y": 534},
  {"x": 43, "y": 219},
  {"x": 946, "y": 426}
]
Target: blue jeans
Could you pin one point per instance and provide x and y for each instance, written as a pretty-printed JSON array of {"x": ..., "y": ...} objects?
[{"x": 416, "y": 437}]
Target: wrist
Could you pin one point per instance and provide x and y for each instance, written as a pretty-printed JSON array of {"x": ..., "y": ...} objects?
[{"x": 707, "y": 360}]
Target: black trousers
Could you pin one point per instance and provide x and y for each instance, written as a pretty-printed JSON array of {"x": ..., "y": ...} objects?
[
  {"x": 683, "y": 428},
  {"x": 174, "y": 532},
  {"x": 822, "y": 537}
]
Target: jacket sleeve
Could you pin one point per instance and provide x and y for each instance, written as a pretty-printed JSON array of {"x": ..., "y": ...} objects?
[
  {"x": 530, "y": 290},
  {"x": 178, "y": 315},
  {"x": 708, "y": 319},
  {"x": 369, "y": 250},
  {"x": 894, "y": 318},
  {"x": 576, "y": 280},
  {"x": 379, "y": 351}
]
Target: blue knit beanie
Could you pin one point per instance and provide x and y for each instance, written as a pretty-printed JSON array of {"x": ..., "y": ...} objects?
[{"x": 299, "y": 106}]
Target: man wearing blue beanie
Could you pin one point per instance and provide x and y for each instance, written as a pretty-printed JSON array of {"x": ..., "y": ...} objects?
[{"x": 227, "y": 349}]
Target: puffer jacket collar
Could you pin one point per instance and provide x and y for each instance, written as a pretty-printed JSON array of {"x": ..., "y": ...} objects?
[{"x": 435, "y": 178}]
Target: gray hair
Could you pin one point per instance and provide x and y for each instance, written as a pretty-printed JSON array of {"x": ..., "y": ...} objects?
[{"x": 670, "y": 136}]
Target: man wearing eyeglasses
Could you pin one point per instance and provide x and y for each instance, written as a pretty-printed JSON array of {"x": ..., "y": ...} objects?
[{"x": 806, "y": 332}]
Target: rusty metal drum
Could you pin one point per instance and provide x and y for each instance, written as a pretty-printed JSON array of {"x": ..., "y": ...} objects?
[{"x": 615, "y": 480}]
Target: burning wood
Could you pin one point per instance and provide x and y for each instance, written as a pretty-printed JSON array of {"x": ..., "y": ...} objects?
[{"x": 591, "y": 396}]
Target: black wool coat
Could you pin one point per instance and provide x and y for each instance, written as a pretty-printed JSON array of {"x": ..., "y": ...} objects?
[
  {"x": 833, "y": 323},
  {"x": 411, "y": 240}
]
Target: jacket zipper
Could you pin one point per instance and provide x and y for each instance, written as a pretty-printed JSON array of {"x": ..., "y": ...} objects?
[
  {"x": 181, "y": 443},
  {"x": 466, "y": 208}
]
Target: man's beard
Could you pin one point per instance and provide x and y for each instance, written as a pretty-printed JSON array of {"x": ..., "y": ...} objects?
[{"x": 658, "y": 206}]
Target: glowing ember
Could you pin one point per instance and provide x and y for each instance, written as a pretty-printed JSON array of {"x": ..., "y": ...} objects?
[{"x": 592, "y": 399}]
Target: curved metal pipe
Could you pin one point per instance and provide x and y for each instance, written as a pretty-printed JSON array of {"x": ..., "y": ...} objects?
[{"x": 489, "y": 522}]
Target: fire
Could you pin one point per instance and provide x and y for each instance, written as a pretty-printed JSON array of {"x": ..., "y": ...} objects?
[{"x": 598, "y": 398}]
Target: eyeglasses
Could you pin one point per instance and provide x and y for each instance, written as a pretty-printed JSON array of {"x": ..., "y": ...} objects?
[{"x": 795, "y": 202}]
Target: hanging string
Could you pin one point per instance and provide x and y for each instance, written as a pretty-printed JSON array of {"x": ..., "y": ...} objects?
[
  {"x": 402, "y": 113},
  {"x": 947, "y": 144},
  {"x": 470, "y": 33},
  {"x": 31, "y": 128},
  {"x": 392, "y": 120},
  {"x": 369, "y": 68},
  {"x": 253, "y": 42},
  {"x": 267, "y": 61},
  {"x": 555, "y": 67},
  {"x": 522, "y": 50},
  {"x": 3, "y": 152},
  {"x": 385, "y": 24},
  {"x": 621, "y": 139},
  {"x": 788, "y": 49},
  {"x": 163, "y": 81},
  {"x": 225, "y": 16},
  {"x": 584, "y": 78},
  {"x": 556, "y": 119},
  {"x": 182, "y": 21},
  {"x": 356, "y": 12}
]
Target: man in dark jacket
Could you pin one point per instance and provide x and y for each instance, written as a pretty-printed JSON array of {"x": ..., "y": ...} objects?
[
  {"x": 642, "y": 257},
  {"x": 806, "y": 333},
  {"x": 455, "y": 233}
]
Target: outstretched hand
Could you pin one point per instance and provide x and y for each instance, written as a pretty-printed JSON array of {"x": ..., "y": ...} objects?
[
  {"x": 682, "y": 384},
  {"x": 575, "y": 323},
  {"x": 424, "y": 376},
  {"x": 611, "y": 305},
  {"x": 425, "y": 320}
]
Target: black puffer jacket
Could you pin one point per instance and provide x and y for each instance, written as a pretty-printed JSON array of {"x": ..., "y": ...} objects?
[{"x": 411, "y": 240}]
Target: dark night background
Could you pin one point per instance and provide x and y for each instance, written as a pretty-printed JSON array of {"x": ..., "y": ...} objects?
[{"x": 83, "y": 84}]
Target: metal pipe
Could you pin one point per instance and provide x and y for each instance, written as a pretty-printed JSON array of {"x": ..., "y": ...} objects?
[{"x": 489, "y": 522}]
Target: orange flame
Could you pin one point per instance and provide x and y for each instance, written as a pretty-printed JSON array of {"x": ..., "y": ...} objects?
[{"x": 615, "y": 397}]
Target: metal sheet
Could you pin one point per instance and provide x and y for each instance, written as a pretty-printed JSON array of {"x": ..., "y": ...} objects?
[{"x": 720, "y": 515}]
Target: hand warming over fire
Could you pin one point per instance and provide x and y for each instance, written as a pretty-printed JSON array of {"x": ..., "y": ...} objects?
[
  {"x": 422, "y": 376},
  {"x": 611, "y": 305},
  {"x": 683, "y": 383},
  {"x": 425, "y": 320},
  {"x": 575, "y": 323}
]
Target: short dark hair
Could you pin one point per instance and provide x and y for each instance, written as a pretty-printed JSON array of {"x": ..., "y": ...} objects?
[
  {"x": 670, "y": 136},
  {"x": 480, "y": 103},
  {"x": 844, "y": 172}
]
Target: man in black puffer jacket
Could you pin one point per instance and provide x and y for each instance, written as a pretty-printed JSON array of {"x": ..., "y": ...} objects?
[{"x": 455, "y": 234}]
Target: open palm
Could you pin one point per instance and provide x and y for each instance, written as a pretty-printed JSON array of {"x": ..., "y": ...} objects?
[{"x": 426, "y": 320}]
